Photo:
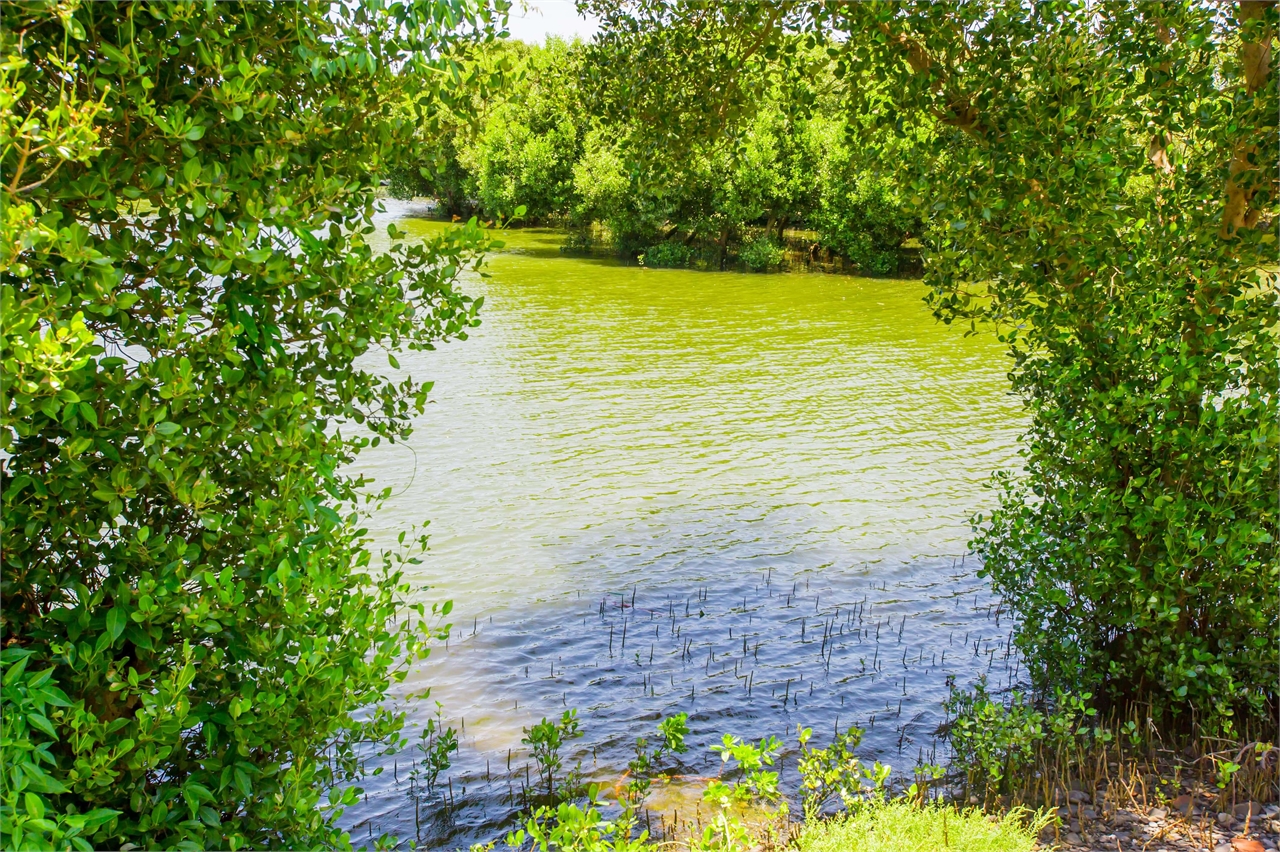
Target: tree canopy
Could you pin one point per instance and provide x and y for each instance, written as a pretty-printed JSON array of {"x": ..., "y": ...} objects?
[{"x": 550, "y": 142}]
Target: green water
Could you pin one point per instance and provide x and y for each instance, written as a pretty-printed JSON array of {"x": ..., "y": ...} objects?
[
  {"x": 611, "y": 428},
  {"x": 601, "y": 405}
]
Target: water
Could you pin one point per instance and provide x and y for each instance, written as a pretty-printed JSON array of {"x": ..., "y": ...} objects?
[{"x": 762, "y": 480}]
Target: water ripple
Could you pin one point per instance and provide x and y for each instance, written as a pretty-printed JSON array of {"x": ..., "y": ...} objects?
[{"x": 762, "y": 481}]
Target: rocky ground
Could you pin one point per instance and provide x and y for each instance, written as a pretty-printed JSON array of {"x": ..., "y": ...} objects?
[{"x": 1185, "y": 824}]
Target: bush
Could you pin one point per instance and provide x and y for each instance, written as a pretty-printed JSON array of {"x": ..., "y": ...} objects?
[
  {"x": 999, "y": 746},
  {"x": 668, "y": 254},
  {"x": 761, "y": 253},
  {"x": 860, "y": 217},
  {"x": 192, "y": 613},
  {"x": 1136, "y": 293}
]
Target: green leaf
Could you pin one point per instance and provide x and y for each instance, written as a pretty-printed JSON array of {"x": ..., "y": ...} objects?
[
  {"x": 116, "y": 620},
  {"x": 40, "y": 722},
  {"x": 98, "y": 817},
  {"x": 35, "y": 805},
  {"x": 40, "y": 781}
]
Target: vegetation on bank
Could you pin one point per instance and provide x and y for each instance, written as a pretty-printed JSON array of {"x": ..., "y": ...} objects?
[
  {"x": 194, "y": 619},
  {"x": 1020, "y": 777},
  {"x": 745, "y": 808},
  {"x": 193, "y": 614},
  {"x": 904, "y": 825},
  {"x": 548, "y": 143}
]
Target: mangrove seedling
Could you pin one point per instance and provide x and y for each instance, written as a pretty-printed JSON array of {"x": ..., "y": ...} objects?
[{"x": 545, "y": 740}]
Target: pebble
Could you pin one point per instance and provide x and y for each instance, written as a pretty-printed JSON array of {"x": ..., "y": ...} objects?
[{"x": 1164, "y": 829}]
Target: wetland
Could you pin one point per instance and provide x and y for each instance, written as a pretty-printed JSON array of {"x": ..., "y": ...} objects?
[{"x": 740, "y": 496}]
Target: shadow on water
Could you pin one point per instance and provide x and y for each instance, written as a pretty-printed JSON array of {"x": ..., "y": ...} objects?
[
  {"x": 753, "y": 653},
  {"x": 656, "y": 491}
]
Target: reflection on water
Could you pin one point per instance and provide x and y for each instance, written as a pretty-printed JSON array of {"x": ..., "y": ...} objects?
[{"x": 652, "y": 491}]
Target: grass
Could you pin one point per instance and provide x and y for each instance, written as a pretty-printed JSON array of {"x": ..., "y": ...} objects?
[{"x": 897, "y": 826}]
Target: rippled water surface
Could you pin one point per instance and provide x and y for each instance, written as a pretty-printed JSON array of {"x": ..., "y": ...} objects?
[{"x": 652, "y": 491}]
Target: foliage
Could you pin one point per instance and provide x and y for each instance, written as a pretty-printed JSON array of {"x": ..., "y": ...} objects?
[
  {"x": 545, "y": 740},
  {"x": 672, "y": 731},
  {"x": 748, "y": 785},
  {"x": 547, "y": 142},
  {"x": 901, "y": 825},
  {"x": 443, "y": 178},
  {"x": 860, "y": 216},
  {"x": 668, "y": 254},
  {"x": 530, "y": 141},
  {"x": 583, "y": 829},
  {"x": 836, "y": 771},
  {"x": 577, "y": 829},
  {"x": 996, "y": 744},
  {"x": 581, "y": 241},
  {"x": 1098, "y": 181},
  {"x": 761, "y": 253},
  {"x": 1139, "y": 549},
  {"x": 436, "y": 743},
  {"x": 756, "y": 783},
  {"x": 755, "y": 786},
  {"x": 191, "y": 312},
  {"x": 513, "y": 142}
]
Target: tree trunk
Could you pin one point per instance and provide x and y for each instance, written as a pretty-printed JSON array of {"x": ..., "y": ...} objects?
[{"x": 722, "y": 246}]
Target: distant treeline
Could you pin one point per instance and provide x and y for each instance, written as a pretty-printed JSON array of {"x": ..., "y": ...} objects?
[{"x": 542, "y": 142}]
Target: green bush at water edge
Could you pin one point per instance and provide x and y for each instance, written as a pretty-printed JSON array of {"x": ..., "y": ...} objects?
[
  {"x": 761, "y": 253},
  {"x": 195, "y": 328},
  {"x": 668, "y": 255}
]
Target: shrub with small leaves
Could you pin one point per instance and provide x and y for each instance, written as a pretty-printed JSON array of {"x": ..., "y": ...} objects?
[
  {"x": 761, "y": 253},
  {"x": 997, "y": 744},
  {"x": 192, "y": 320},
  {"x": 668, "y": 254}
]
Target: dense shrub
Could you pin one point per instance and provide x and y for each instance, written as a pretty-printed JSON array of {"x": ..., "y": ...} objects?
[
  {"x": 861, "y": 217},
  {"x": 192, "y": 323},
  {"x": 438, "y": 175},
  {"x": 578, "y": 242},
  {"x": 668, "y": 254},
  {"x": 1136, "y": 291},
  {"x": 761, "y": 253},
  {"x": 547, "y": 142}
]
